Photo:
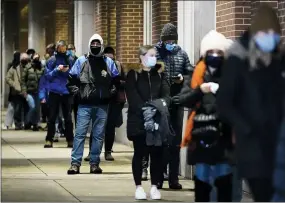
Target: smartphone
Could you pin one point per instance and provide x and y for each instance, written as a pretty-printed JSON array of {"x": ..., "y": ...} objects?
[
  {"x": 175, "y": 77},
  {"x": 65, "y": 66}
]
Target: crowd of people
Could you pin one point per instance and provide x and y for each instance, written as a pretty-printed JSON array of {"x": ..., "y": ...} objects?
[{"x": 234, "y": 129}]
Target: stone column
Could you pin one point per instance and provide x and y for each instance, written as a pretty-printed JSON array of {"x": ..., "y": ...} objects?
[
  {"x": 193, "y": 24},
  {"x": 36, "y": 39},
  {"x": 84, "y": 25},
  {"x": 147, "y": 18}
]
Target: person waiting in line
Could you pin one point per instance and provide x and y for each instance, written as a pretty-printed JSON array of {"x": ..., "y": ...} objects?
[
  {"x": 146, "y": 84},
  {"x": 57, "y": 72},
  {"x": 251, "y": 99},
  {"x": 92, "y": 79},
  {"x": 207, "y": 137},
  {"x": 115, "y": 115}
]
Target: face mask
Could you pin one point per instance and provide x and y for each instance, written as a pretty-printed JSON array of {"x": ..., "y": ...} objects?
[
  {"x": 267, "y": 42},
  {"x": 70, "y": 53},
  {"x": 24, "y": 62},
  {"x": 214, "y": 61},
  {"x": 95, "y": 50},
  {"x": 150, "y": 61},
  {"x": 170, "y": 47}
]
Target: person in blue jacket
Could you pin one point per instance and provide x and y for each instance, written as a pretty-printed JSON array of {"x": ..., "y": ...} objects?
[
  {"x": 57, "y": 71},
  {"x": 92, "y": 80}
]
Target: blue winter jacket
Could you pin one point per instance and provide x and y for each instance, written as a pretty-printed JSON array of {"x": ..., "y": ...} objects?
[
  {"x": 43, "y": 88},
  {"x": 57, "y": 80}
]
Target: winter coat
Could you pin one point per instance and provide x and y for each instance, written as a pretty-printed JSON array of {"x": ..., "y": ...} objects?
[
  {"x": 176, "y": 62},
  {"x": 141, "y": 87},
  {"x": 251, "y": 102},
  {"x": 30, "y": 78},
  {"x": 13, "y": 79},
  {"x": 43, "y": 88},
  {"x": 57, "y": 79}
]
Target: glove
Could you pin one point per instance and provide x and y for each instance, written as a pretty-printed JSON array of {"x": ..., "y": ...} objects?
[
  {"x": 214, "y": 87},
  {"x": 176, "y": 100}
]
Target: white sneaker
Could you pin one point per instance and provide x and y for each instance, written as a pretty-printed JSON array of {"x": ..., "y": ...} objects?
[
  {"x": 154, "y": 193},
  {"x": 140, "y": 194}
]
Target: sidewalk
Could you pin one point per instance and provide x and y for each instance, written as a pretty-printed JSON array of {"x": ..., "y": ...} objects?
[{"x": 31, "y": 173}]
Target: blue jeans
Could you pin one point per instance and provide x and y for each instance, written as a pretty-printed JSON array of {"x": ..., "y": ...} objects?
[
  {"x": 98, "y": 115},
  {"x": 33, "y": 115}
]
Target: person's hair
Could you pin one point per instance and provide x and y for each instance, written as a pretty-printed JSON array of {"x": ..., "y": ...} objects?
[
  {"x": 16, "y": 59},
  {"x": 144, "y": 49},
  {"x": 109, "y": 50},
  {"x": 71, "y": 46},
  {"x": 50, "y": 47},
  {"x": 36, "y": 55},
  {"x": 24, "y": 56}
]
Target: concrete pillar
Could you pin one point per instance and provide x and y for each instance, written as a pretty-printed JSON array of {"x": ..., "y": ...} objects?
[
  {"x": 193, "y": 24},
  {"x": 36, "y": 38},
  {"x": 147, "y": 22},
  {"x": 84, "y": 25}
]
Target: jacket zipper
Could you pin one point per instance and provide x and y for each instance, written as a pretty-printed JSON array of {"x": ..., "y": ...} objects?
[{"x": 149, "y": 82}]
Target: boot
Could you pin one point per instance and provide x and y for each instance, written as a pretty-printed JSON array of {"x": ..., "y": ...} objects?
[
  {"x": 224, "y": 188},
  {"x": 74, "y": 169},
  {"x": 202, "y": 191},
  {"x": 108, "y": 156}
]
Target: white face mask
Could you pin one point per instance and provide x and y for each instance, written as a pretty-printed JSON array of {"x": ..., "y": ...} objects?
[{"x": 149, "y": 61}]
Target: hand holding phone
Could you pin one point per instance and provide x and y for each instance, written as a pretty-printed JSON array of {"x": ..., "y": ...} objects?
[{"x": 63, "y": 68}]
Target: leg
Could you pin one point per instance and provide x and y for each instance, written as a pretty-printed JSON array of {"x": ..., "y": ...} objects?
[
  {"x": 156, "y": 154},
  {"x": 84, "y": 117},
  {"x": 174, "y": 162},
  {"x": 224, "y": 188},
  {"x": 139, "y": 151},
  {"x": 262, "y": 189},
  {"x": 237, "y": 186},
  {"x": 145, "y": 163},
  {"x": 202, "y": 190},
  {"x": 9, "y": 116},
  {"x": 66, "y": 112},
  {"x": 75, "y": 110},
  {"x": 17, "y": 104},
  {"x": 54, "y": 100},
  {"x": 99, "y": 118},
  {"x": 36, "y": 112},
  {"x": 109, "y": 140}
]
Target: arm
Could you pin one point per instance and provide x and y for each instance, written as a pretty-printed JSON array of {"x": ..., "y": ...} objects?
[
  {"x": 75, "y": 70},
  {"x": 165, "y": 89},
  {"x": 51, "y": 71},
  {"x": 134, "y": 99},
  {"x": 42, "y": 88},
  {"x": 10, "y": 78},
  {"x": 73, "y": 80},
  {"x": 227, "y": 94},
  {"x": 23, "y": 80},
  {"x": 190, "y": 98}
]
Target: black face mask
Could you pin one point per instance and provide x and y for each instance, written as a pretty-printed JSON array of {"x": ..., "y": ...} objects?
[
  {"x": 24, "y": 62},
  {"x": 214, "y": 61},
  {"x": 95, "y": 50}
]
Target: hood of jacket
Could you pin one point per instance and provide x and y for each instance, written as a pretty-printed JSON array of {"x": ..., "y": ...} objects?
[
  {"x": 96, "y": 37},
  {"x": 139, "y": 67}
]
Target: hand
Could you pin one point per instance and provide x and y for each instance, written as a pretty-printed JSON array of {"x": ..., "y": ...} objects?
[
  {"x": 43, "y": 101},
  {"x": 62, "y": 68},
  {"x": 176, "y": 100},
  {"x": 205, "y": 87},
  {"x": 180, "y": 80},
  {"x": 25, "y": 94}
]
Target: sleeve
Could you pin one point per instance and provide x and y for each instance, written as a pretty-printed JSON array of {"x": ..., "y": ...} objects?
[
  {"x": 9, "y": 78},
  {"x": 134, "y": 99},
  {"x": 187, "y": 68},
  {"x": 51, "y": 71},
  {"x": 227, "y": 94},
  {"x": 112, "y": 68},
  {"x": 23, "y": 80},
  {"x": 75, "y": 70},
  {"x": 165, "y": 89},
  {"x": 190, "y": 98},
  {"x": 42, "y": 88}
]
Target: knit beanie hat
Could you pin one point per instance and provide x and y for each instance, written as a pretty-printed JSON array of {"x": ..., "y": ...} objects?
[
  {"x": 212, "y": 40},
  {"x": 169, "y": 32},
  {"x": 265, "y": 19}
]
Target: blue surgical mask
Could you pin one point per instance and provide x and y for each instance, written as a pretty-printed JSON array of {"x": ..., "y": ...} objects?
[
  {"x": 267, "y": 42},
  {"x": 150, "y": 61},
  {"x": 70, "y": 53},
  {"x": 170, "y": 47}
]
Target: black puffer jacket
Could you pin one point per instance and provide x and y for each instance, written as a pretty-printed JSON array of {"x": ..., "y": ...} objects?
[
  {"x": 142, "y": 87},
  {"x": 176, "y": 62}
]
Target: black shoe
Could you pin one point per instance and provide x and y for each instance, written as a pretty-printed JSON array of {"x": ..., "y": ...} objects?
[
  {"x": 159, "y": 186},
  {"x": 36, "y": 128},
  {"x": 28, "y": 127},
  {"x": 70, "y": 144},
  {"x": 55, "y": 139},
  {"x": 74, "y": 169},
  {"x": 108, "y": 156},
  {"x": 144, "y": 175},
  {"x": 165, "y": 176},
  {"x": 87, "y": 158},
  {"x": 48, "y": 144},
  {"x": 18, "y": 128},
  {"x": 44, "y": 120},
  {"x": 175, "y": 186},
  {"x": 95, "y": 169}
]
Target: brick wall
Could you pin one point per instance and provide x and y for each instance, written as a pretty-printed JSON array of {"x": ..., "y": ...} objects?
[
  {"x": 62, "y": 19},
  {"x": 129, "y": 29},
  {"x": 101, "y": 19},
  {"x": 112, "y": 23},
  {"x": 173, "y": 12},
  {"x": 281, "y": 12}
]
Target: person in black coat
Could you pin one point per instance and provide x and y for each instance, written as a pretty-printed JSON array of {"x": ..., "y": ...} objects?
[
  {"x": 144, "y": 83},
  {"x": 250, "y": 99}
]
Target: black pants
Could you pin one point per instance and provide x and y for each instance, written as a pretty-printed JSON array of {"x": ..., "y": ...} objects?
[
  {"x": 113, "y": 121},
  {"x": 54, "y": 102},
  {"x": 172, "y": 153},
  {"x": 156, "y": 153},
  {"x": 262, "y": 189},
  {"x": 45, "y": 111},
  {"x": 20, "y": 105}
]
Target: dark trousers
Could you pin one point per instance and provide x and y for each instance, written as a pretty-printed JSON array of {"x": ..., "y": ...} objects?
[
  {"x": 156, "y": 153},
  {"x": 45, "y": 111},
  {"x": 113, "y": 121},
  {"x": 262, "y": 189},
  {"x": 54, "y": 102},
  {"x": 20, "y": 105},
  {"x": 172, "y": 153}
]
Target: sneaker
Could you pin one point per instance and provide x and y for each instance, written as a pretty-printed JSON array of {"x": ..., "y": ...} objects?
[
  {"x": 108, "y": 156},
  {"x": 144, "y": 175},
  {"x": 70, "y": 144},
  {"x": 95, "y": 169},
  {"x": 154, "y": 193},
  {"x": 87, "y": 158},
  {"x": 36, "y": 128},
  {"x": 140, "y": 193},
  {"x": 74, "y": 169},
  {"x": 56, "y": 137},
  {"x": 48, "y": 144}
]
